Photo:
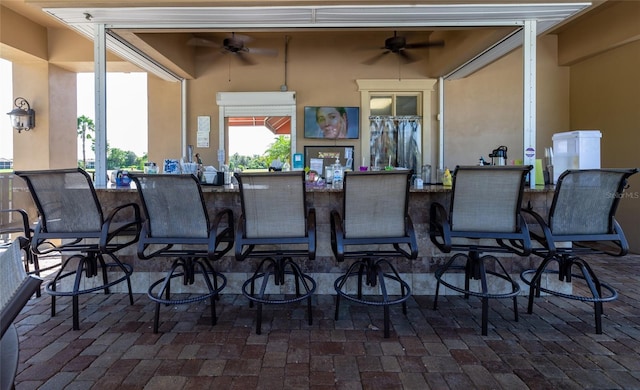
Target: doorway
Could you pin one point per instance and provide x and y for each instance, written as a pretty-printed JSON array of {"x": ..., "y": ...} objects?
[
  {"x": 276, "y": 109},
  {"x": 254, "y": 142}
]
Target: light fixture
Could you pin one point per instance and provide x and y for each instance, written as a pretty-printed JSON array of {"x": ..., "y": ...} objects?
[{"x": 22, "y": 117}]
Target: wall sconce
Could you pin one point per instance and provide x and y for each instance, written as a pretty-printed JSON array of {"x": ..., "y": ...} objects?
[{"x": 22, "y": 117}]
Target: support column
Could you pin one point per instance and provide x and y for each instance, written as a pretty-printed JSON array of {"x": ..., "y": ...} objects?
[
  {"x": 100, "y": 74},
  {"x": 529, "y": 98}
]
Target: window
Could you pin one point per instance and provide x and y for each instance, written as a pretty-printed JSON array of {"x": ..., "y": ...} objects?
[
  {"x": 394, "y": 104},
  {"x": 408, "y": 97}
]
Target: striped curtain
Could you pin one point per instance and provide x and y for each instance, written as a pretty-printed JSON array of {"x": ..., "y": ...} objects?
[{"x": 396, "y": 141}]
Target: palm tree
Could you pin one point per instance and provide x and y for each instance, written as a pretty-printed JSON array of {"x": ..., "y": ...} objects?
[{"x": 85, "y": 128}]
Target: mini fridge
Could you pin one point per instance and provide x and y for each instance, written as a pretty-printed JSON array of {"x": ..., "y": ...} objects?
[{"x": 578, "y": 149}]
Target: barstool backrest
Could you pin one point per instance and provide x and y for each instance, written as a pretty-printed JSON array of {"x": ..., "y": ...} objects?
[
  {"x": 375, "y": 203},
  {"x": 273, "y": 204},
  {"x": 487, "y": 199},
  {"x": 66, "y": 200},
  {"x": 585, "y": 201},
  {"x": 174, "y": 205}
]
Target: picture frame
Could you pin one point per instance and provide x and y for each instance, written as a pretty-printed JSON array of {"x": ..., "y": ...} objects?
[
  {"x": 331, "y": 122},
  {"x": 323, "y": 156}
]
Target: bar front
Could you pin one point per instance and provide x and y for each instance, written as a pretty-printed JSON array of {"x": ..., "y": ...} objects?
[{"x": 419, "y": 273}]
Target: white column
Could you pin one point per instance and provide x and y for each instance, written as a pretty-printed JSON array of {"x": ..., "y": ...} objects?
[
  {"x": 529, "y": 98},
  {"x": 100, "y": 74}
]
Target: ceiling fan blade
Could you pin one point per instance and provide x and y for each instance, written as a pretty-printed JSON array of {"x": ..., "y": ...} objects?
[
  {"x": 244, "y": 59},
  {"x": 406, "y": 57},
  {"x": 422, "y": 45},
  {"x": 375, "y": 58},
  {"x": 262, "y": 51},
  {"x": 196, "y": 41}
]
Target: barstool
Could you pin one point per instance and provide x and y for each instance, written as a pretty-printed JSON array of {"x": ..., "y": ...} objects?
[
  {"x": 582, "y": 215},
  {"x": 178, "y": 226},
  {"x": 70, "y": 215},
  {"x": 484, "y": 218},
  {"x": 277, "y": 227},
  {"x": 374, "y": 226}
]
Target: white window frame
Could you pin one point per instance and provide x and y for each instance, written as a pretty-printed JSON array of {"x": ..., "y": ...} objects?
[
  {"x": 423, "y": 87},
  {"x": 243, "y": 104}
]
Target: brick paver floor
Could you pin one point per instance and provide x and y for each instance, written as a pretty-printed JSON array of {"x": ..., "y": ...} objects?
[{"x": 554, "y": 348}]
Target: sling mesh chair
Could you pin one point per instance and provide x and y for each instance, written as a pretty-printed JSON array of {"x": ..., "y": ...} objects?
[
  {"x": 70, "y": 213},
  {"x": 374, "y": 226},
  {"x": 276, "y": 226},
  {"x": 16, "y": 221},
  {"x": 484, "y": 217},
  {"x": 582, "y": 215},
  {"x": 178, "y": 226},
  {"x": 16, "y": 288}
]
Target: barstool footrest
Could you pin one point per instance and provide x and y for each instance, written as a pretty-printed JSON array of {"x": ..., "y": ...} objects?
[{"x": 370, "y": 272}]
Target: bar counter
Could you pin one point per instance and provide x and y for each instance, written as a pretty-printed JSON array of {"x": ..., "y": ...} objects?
[{"x": 325, "y": 269}]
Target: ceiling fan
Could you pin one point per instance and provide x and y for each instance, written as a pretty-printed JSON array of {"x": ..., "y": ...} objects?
[
  {"x": 398, "y": 45},
  {"x": 235, "y": 44}
]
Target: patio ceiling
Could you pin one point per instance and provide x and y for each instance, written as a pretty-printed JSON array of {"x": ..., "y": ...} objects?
[{"x": 126, "y": 25}]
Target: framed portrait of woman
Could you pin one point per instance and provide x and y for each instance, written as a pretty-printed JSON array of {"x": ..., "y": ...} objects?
[{"x": 331, "y": 122}]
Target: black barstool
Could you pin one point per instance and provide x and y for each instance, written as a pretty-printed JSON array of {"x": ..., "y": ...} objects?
[{"x": 484, "y": 218}]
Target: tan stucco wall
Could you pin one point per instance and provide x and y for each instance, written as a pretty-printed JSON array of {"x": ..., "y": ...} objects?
[
  {"x": 485, "y": 110},
  {"x": 605, "y": 96},
  {"x": 51, "y": 92},
  {"x": 164, "y": 121},
  {"x": 320, "y": 72},
  {"x": 31, "y": 39},
  {"x": 31, "y": 148},
  {"x": 63, "y": 136}
]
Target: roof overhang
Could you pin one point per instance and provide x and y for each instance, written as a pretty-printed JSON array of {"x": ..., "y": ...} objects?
[{"x": 547, "y": 16}]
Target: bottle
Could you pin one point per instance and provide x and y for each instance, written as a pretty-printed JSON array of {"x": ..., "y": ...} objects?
[
  {"x": 446, "y": 178},
  {"x": 286, "y": 166},
  {"x": 200, "y": 168},
  {"x": 338, "y": 173}
]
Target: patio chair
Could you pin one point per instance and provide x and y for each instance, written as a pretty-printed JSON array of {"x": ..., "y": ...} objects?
[
  {"x": 71, "y": 223},
  {"x": 484, "y": 219},
  {"x": 178, "y": 226},
  {"x": 276, "y": 227},
  {"x": 16, "y": 288},
  {"x": 16, "y": 221},
  {"x": 373, "y": 226},
  {"x": 582, "y": 214}
]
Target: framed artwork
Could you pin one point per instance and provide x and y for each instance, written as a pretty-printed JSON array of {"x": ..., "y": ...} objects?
[
  {"x": 331, "y": 122},
  {"x": 319, "y": 157}
]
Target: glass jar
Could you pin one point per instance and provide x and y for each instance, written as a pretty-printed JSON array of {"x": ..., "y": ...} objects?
[{"x": 426, "y": 174}]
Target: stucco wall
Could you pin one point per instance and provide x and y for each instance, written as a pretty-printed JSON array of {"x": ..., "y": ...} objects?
[
  {"x": 164, "y": 122},
  {"x": 485, "y": 110},
  {"x": 320, "y": 72},
  {"x": 605, "y": 95}
]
